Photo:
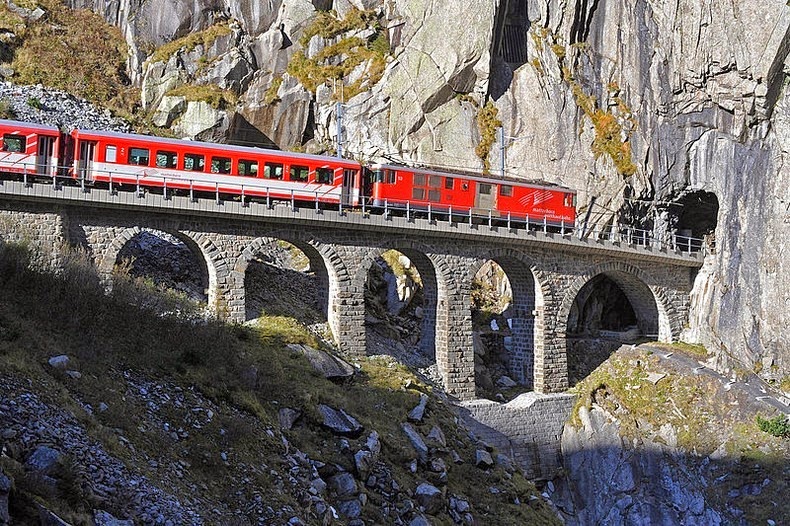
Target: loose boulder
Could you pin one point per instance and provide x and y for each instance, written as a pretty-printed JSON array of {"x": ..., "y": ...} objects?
[
  {"x": 332, "y": 367},
  {"x": 429, "y": 497},
  {"x": 340, "y": 422}
]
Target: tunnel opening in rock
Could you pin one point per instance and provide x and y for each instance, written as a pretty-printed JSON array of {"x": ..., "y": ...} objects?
[
  {"x": 165, "y": 262},
  {"x": 609, "y": 310},
  {"x": 510, "y": 37},
  {"x": 695, "y": 215},
  {"x": 283, "y": 279},
  {"x": 400, "y": 309}
]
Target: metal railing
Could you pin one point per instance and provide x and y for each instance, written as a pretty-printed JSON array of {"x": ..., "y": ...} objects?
[{"x": 411, "y": 211}]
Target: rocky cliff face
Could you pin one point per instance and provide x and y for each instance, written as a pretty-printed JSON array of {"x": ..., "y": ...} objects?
[{"x": 666, "y": 115}]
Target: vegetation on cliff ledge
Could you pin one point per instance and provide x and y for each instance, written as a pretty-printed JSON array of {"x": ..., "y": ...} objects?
[{"x": 355, "y": 58}]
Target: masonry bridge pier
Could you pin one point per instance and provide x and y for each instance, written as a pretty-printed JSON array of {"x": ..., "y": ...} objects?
[{"x": 551, "y": 276}]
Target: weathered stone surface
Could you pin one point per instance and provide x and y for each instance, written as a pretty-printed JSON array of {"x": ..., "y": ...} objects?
[
  {"x": 416, "y": 414},
  {"x": 483, "y": 459},
  {"x": 416, "y": 441},
  {"x": 429, "y": 497},
  {"x": 325, "y": 363},
  {"x": 5, "y": 489},
  {"x": 339, "y": 422},
  {"x": 44, "y": 460},
  {"x": 343, "y": 485},
  {"x": 59, "y": 362},
  {"x": 103, "y": 518},
  {"x": 287, "y": 417}
]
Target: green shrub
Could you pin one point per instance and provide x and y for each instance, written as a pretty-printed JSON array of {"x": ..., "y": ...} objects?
[{"x": 779, "y": 426}]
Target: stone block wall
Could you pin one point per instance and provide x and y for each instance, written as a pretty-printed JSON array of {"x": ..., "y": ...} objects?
[
  {"x": 528, "y": 429},
  {"x": 42, "y": 230}
]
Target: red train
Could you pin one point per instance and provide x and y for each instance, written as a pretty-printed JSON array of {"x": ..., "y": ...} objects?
[{"x": 153, "y": 162}]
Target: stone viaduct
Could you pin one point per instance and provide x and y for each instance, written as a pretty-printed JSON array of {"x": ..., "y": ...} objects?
[{"x": 546, "y": 271}]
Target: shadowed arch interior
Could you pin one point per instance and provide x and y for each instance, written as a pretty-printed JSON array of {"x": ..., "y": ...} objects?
[
  {"x": 426, "y": 343},
  {"x": 171, "y": 260},
  {"x": 292, "y": 271},
  {"x": 613, "y": 307},
  {"x": 521, "y": 315}
]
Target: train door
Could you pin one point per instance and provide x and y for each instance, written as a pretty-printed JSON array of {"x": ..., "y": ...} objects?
[
  {"x": 484, "y": 199},
  {"x": 85, "y": 163},
  {"x": 46, "y": 148},
  {"x": 350, "y": 193}
]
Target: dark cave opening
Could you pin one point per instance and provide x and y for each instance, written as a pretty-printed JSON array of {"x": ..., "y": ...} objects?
[{"x": 695, "y": 214}]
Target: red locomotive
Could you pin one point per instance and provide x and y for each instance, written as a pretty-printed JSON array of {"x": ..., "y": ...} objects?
[{"x": 152, "y": 162}]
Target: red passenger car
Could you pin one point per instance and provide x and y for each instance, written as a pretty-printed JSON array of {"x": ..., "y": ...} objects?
[
  {"x": 29, "y": 148},
  {"x": 179, "y": 164},
  {"x": 397, "y": 185}
]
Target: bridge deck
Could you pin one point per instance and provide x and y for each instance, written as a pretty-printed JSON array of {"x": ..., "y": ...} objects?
[{"x": 346, "y": 219}]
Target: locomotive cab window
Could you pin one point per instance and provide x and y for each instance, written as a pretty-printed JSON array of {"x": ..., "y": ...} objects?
[
  {"x": 324, "y": 176},
  {"x": 298, "y": 173},
  {"x": 139, "y": 156},
  {"x": 220, "y": 165},
  {"x": 166, "y": 159},
  {"x": 111, "y": 154},
  {"x": 506, "y": 190},
  {"x": 449, "y": 183},
  {"x": 484, "y": 189},
  {"x": 418, "y": 193},
  {"x": 14, "y": 143},
  {"x": 273, "y": 171},
  {"x": 435, "y": 181},
  {"x": 248, "y": 168},
  {"x": 419, "y": 180},
  {"x": 194, "y": 162}
]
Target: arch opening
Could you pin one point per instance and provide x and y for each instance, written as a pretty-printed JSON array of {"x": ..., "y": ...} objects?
[
  {"x": 287, "y": 279},
  {"x": 165, "y": 261},
  {"x": 611, "y": 309},
  {"x": 505, "y": 307},
  {"x": 400, "y": 309}
]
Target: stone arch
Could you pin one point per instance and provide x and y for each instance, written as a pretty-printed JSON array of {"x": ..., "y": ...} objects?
[
  {"x": 651, "y": 305},
  {"x": 329, "y": 269},
  {"x": 418, "y": 254},
  {"x": 654, "y": 311},
  {"x": 531, "y": 290},
  {"x": 208, "y": 256}
]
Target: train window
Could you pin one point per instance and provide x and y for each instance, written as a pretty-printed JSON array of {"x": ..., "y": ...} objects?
[
  {"x": 464, "y": 186},
  {"x": 298, "y": 173},
  {"x": 379, "y": 176},
  {"x": 139, "y": 156},
  {"x": 484, "y": 189},
  {"x": 449, "y": 182},
  {"x": 570, "y": 200},
  {"x": 505, "y": 190},
  {"x": 419, "y": 179},
  {"x": 166, "y": 159},
  {"x": 248, "y": 168},
  {"x": 434, "y": 195},
  {"x": 391, "y": 176},
  {"x": 14, "y": 143},
  {"x": 418, "y": 193},
  {"x": 110, "y": 154},
  {"x": 194, "y": 162},
  {"x": 435, "y": 181},
  {"x": 324, "y": 176},
  {"x": 273, "y": 171},
  {"x": 221, "y": 165}
]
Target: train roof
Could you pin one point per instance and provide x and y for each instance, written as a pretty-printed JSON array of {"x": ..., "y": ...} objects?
[
  {"x": 30, "y": 125},
  {"x": 218, "y": 146},
  {"x": 477, "y": 177}
]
